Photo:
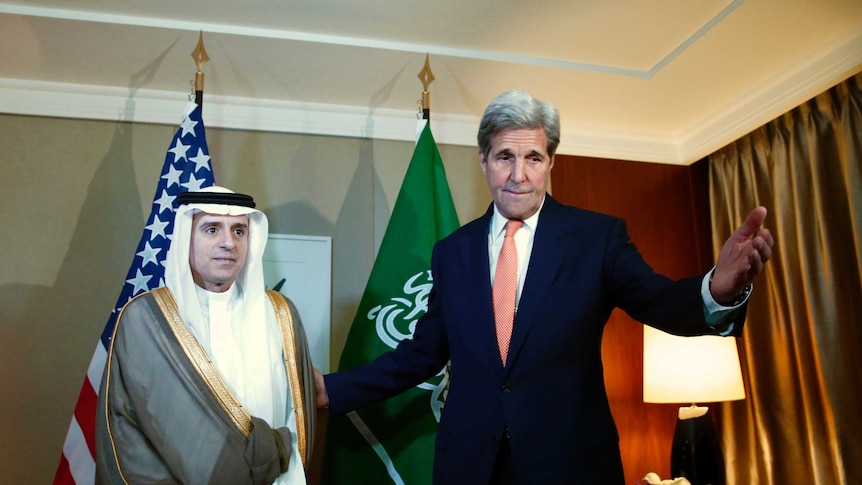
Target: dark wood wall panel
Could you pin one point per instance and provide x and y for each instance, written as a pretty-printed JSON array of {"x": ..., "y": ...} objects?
[{"x": 666, "y": 208}]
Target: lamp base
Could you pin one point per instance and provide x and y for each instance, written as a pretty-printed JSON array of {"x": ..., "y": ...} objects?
[{"x": 696, "y": 453}]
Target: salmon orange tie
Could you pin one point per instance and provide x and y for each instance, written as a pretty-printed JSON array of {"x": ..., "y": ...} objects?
[{"x": 505, "y": 288}]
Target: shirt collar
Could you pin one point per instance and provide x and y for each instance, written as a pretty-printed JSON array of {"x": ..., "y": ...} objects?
[{"x": 498, "y": 222}]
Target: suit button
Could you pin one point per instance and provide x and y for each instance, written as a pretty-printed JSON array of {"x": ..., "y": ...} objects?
[{"x": 506, "y": 389}]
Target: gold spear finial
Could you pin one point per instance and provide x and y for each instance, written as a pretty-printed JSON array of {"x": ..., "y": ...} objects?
[
  {"x": 427, "y": 77},
  {"x": 200, "y": 56}
]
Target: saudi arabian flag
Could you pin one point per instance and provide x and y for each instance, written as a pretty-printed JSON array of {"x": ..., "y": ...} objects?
[{"x": 393, "y": 441}]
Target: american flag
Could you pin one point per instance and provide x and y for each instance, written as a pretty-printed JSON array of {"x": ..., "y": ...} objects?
[{"x": 187, "y": 168}]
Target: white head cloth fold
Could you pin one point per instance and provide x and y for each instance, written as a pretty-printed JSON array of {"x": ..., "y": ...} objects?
[{"x": 244, "y": 343}]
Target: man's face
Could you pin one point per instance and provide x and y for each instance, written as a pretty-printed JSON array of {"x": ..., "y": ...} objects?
[
  {"x": 518, "y": 169},
  {"x": 219, "y": 247}
]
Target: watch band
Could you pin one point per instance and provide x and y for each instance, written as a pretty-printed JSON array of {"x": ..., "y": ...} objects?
[{"x": 739, "y": 299}]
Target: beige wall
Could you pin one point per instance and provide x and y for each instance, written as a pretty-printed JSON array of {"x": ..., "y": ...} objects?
[{"x": 74, "y": 196}]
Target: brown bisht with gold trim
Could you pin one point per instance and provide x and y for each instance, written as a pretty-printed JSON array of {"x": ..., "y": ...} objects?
[{"x": 175, "y": 420}]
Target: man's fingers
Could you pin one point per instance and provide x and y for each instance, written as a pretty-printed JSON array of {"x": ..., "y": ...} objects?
[
  {"x": 765, "y": 252},
  {"x": 757, "y": 255},
  {"x": 767, "y": 236},
  {"x": 321, "y": 398},
  {"x": 752, "y": 222},
  {"x": 763, "y": 243},
  {"x": 743, "y": 255},
  {"x": 756, "y": 268}
]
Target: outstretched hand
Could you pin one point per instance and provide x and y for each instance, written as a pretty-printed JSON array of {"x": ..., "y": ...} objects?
[
  {"x": 742, "y": 257},
  {"x": 321, "y": 399}
]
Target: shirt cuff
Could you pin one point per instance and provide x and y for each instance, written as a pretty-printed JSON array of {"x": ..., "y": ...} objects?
[{"x": 715, "y": 313}]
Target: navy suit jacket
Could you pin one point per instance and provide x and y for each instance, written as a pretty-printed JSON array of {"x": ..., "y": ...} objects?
[{"x": 550, "y": 398}]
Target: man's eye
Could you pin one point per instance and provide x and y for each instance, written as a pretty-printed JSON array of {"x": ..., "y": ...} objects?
[
  {"x": 210, "y": 230},
  {"x": 239, "y": 232}
]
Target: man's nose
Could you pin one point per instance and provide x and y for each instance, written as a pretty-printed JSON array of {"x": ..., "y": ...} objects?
[
  {"x": 226, "y": 241},
  {"x": 518, "y": 173}
]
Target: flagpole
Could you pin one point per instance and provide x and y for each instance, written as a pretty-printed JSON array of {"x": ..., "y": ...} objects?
[
  {"x": 200, "y": 56},
  {"x": 427, "y": 77}
]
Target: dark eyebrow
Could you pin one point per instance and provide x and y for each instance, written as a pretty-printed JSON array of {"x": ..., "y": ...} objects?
[
  {"x": 215, "y": 222},
  {"x": 508, "y": 151}
]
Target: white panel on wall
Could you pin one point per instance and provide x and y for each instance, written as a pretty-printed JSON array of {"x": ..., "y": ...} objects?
[{"x": 300, "y": 267}]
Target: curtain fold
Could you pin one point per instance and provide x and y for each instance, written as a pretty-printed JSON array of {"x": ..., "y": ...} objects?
[{"x": 801, "y": 421}]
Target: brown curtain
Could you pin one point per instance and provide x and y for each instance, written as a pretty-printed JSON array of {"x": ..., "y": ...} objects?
[{"x": 801, "y": 421}]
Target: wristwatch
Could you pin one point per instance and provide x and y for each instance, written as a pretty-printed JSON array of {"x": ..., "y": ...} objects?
[{"x": 740, "y": 298}]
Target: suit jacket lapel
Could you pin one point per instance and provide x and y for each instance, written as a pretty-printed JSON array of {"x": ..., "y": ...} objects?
[
  {"x": 550, "y": 244},
  {"x": 477, "y": 296}
]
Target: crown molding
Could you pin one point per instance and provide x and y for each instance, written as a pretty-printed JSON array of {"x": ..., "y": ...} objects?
[{"x": 79, "y": 101}]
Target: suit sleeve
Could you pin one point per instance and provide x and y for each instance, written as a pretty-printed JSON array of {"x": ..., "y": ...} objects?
[
  {"x": 675, "y": 307},
  {"x": 413, "y": 361}
]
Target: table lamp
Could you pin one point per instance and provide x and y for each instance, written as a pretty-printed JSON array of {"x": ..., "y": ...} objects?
[{"x": 692, "y": 370}]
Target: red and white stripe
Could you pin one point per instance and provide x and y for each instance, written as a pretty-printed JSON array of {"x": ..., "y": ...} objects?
[{"x": 78, "y": 462}]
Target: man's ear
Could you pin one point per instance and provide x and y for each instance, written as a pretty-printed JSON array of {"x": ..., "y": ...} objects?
[{"x": 483, "y": 163}]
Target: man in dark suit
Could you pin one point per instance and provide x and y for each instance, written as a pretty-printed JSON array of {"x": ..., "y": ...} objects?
[{"x": 527, "y": 402}]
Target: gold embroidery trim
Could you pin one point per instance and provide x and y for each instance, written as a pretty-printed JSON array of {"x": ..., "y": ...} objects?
[
  {"x": 202, "y": 363},
  {"x": 294, "y": 379},
  {"x": 108, "y": 390}
]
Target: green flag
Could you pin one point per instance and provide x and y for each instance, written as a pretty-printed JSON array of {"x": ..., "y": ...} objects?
[{"x": 393, "y": 441}]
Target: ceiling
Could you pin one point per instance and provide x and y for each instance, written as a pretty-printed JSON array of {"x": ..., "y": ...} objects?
[{"x": 652, "y": 80}]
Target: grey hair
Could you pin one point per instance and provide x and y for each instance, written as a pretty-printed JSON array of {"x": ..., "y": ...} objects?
[{"x": 516, "y": 110}]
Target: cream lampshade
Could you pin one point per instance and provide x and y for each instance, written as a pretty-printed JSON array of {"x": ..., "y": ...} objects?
[{"x": 692, "y": 370}]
